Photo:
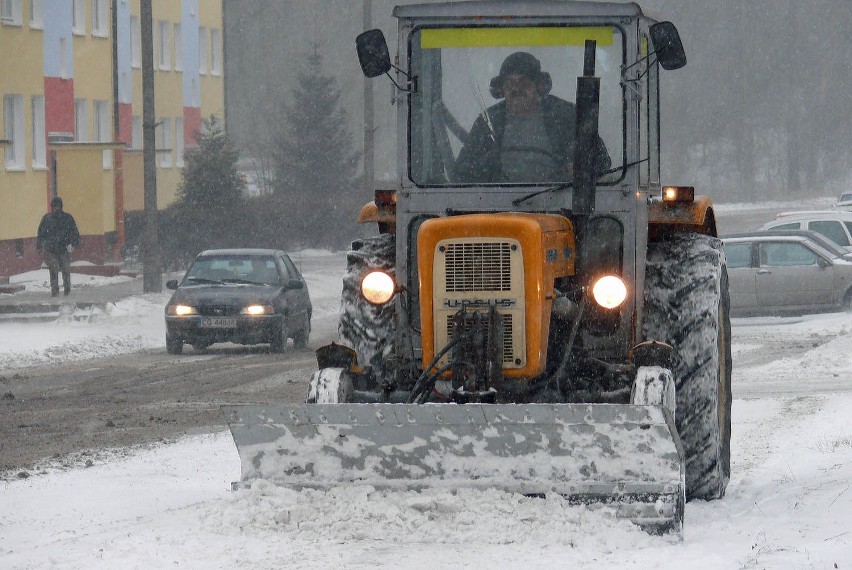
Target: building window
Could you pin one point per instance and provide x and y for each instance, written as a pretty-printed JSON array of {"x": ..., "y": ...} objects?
[
  {"x": 81, "y": 120},
  {"x": 100, "y": 18},
  {"x": 102, "y": 129},
  {"x": 19, "y": 248},
  {"x": 216, "y": 52},
  {"x": 136, "y": 132},
  {"x": 10, "y": 12},
  {"x": 37, "y": 14},
  {"x": 13, "y": 121},
  {"x": 39, "y": 145},
  {"x": 135, "y": 42},
  {"x": 164, "y": 41},
  {"x": 203, "y": 50},
  {"x": 78, "y": 22},
  {"x": 163, "y": 143},
  {"x": 179, "y": 141},
  {"x": 178, "y": 48}
]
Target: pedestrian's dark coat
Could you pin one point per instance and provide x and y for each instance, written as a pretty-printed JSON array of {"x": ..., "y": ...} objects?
[{"x": 56, "y": 231}]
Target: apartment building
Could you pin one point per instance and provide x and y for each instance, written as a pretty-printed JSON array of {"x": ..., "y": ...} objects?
[{"x": 71, "y": 126}]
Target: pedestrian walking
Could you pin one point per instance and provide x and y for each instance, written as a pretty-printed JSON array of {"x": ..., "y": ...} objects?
[{"x": 57, "y": 238}]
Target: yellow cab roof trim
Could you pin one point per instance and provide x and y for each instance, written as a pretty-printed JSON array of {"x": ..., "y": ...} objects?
[{"x": 432, "y": 38}]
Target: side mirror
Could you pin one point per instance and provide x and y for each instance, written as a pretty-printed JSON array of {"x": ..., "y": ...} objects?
[
  {"x": 667, "y": 45},
  {"x": 373, "y": 53},
  {"x": 822, "y": 262},
  {"x": 295, "y": 284},
  {"x": 172, "y": 284}
]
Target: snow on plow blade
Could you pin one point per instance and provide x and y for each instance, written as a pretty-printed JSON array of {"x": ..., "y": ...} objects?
[{"x": 626, "y": 456}]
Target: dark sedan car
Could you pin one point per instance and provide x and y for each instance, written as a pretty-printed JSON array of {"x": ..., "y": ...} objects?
[
  {"x": 245, "y": 296},
  {"x": 778, "y": 272}
]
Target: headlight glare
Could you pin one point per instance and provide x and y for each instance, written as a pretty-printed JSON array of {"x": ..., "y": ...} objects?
[
  {"x": 378, "y": 287},
  {"x": 181, "y": 310},
  {"x": 255, "y": 310},
  {"x": 609, "y": 291}
]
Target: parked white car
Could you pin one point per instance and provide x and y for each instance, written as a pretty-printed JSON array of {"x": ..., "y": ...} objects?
[
  {"x": 845, "y": 201},
  {"x": 833, "y": 224}
]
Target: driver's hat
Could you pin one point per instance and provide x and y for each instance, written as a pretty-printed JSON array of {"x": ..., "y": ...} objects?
[{"x": 525, "y": 64}]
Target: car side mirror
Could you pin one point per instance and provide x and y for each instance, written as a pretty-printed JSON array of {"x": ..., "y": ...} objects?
[
  {"x": 373, "y": 53},
  {"x": 295, "y": 284},
  {"x": 172, "y": 284},
  {"x": 822, "y": 262},
  {"x": 667, "y": 45}
]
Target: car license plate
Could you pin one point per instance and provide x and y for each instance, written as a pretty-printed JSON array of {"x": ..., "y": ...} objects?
[{"x": 218, "y": 323}]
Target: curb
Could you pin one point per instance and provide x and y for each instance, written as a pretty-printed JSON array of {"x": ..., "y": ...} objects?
[{"x": 47, "y": 312}]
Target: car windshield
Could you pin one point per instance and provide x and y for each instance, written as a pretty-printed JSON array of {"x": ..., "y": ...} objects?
[
  {"x": 469, "y": 122},
  {"x": 233, "y": 269}
]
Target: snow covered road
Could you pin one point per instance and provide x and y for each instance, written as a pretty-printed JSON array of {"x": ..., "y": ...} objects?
[{"x": 789, "y": 504}]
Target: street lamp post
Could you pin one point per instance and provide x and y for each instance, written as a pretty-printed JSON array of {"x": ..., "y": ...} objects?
[{"x": 152, "y": 278}]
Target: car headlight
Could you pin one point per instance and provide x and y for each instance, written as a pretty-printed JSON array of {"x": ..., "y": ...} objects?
[
  {"x": 378, "y": 287},
  {"x": 609, "y": 291},
  {"x": 180, "y": 310},
  {"x": 255, "y": 310}
]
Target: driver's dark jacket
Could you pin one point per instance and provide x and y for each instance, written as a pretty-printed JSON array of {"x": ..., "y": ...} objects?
[{"x": 479, "y": 159}]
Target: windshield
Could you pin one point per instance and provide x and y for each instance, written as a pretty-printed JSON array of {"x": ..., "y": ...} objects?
[
  {"x": 233, "y": 269},
  {"x": 496, "y": 105}
]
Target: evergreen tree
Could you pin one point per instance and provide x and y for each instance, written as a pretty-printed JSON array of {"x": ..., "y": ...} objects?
[
  {"x": 210, "y": 179},
  {"x": 210, "y": 211},
  {"x": 315, "y": 167}
]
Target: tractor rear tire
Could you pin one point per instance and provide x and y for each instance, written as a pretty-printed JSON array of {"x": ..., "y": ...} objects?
[
  {"x": 368, "y": 328},
  {"x": 687, "y": 305}
]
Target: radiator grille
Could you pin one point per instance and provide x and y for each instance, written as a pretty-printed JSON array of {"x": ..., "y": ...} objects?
[
  {"x": 218, "y": 310},
  {"x": 478, "y": 267},
  {"x": 508, "y": 354}
]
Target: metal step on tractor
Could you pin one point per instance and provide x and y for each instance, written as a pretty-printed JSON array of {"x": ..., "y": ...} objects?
[{"x": 538, "y": 313}]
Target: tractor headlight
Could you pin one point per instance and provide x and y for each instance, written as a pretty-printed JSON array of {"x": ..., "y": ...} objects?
[
  {"x": 255, "y": 310},
  {"x": 609, "y": 291},
  {"x": 181, "y": 310},
  {"x": 378, "y": 287}
]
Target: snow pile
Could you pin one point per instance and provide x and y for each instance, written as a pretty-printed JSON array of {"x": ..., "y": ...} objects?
[
  {"x": 130, "y": 325},
  {"x": 39, "y": 280},
  {"x": 360, "y": 513}
]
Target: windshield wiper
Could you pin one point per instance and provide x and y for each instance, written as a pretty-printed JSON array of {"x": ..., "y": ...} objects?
[
  {"x": 241, "y": 281},
  {"x": 204, "y": 280},
  {"x": 564, "y": 186},
  {"x": 570, "y": 183}
]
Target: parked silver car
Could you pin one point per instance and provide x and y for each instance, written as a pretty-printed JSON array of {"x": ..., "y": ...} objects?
[{"x": 772, "y": 274}]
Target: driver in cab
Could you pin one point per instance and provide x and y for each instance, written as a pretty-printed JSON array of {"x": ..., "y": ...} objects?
[{"x": 528, "y": 136}]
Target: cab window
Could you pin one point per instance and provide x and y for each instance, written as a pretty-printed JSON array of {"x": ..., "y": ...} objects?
[{"x": 460, "y": 127}]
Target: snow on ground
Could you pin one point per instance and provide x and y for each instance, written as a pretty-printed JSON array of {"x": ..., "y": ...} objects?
[
  {"x": 39, "y": 279},
  {"x": 824, "y": 203},
  {"x": 789, "y": 503},
  {"x": 130, "y": 325}
]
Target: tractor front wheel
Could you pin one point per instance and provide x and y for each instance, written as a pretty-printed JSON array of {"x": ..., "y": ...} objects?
[{"x": 687, "y": 305}]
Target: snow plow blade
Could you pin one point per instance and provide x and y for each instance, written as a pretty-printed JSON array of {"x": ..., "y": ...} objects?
[{"x": 625, "y": 456}]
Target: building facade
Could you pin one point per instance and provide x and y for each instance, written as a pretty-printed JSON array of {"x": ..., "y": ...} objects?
[{"x": 71, "y": 82}]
